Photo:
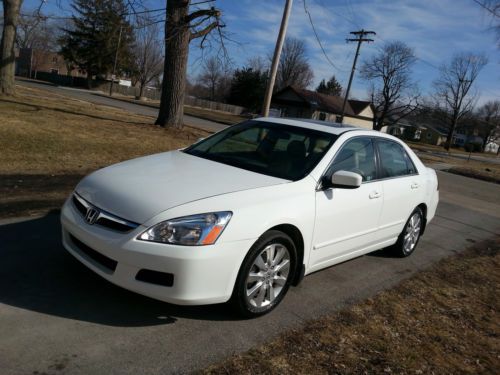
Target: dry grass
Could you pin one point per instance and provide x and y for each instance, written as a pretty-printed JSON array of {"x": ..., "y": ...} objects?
[
  {"x": 454, "y": 150},
  {"x": 442, "y": 321},
  {"x": 481, "y": 170},
  {"x": 48, "y": 142}
]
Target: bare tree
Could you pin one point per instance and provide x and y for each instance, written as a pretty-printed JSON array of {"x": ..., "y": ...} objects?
[
  {"x": 293, "y": 68},
  {"x": 258, "y": 64},
  {"x": 7, "y": 53},
  {"x": 38, "y": 33},
  {"x": 393, "y": 92},
  {"x": 148, "y": 58},
  {"x": 181, "y": 27},
  {"x": 453, "y": 88},
  {"x": 211, "y": 76},
  {"x": 29, "y": 27},
  {"x": 492, "y": 8}
]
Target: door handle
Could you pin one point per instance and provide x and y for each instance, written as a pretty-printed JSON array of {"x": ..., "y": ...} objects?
[
  {"x": 374, "y": 195},
  {"x": 415, "y": 185}
]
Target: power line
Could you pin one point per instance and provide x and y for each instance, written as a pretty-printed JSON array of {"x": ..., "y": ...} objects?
[{"x": 319, "y": 41}]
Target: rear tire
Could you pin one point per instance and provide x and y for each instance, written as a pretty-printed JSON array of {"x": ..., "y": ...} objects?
[
  {"x": 265, "y": 274},
  {"x": 409, "y": 237}
]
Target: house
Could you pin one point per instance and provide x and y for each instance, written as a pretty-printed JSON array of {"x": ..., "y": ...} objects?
[
  {"x": 433, "y": 135},
  {"x": 405, "y": 129},
  {"x": 30, "y": 62},
  {"x": 300, "y": 103},
  {"x": 411, "y": 130}
]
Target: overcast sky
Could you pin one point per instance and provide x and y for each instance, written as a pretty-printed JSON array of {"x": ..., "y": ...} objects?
[{"x": 436, "y": 29}]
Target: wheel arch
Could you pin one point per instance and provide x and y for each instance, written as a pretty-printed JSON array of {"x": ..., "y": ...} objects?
[
  {"x": 423, "y": 207},
  {"x": 296, "y": 235}
]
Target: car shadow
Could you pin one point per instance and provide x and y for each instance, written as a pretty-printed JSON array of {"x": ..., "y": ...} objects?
[
  {"x": 38, "y": 274},
  {"x": 386, "y": 252}
]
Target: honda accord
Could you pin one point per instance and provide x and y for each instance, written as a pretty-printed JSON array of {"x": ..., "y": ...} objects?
[{"x": 244, "y": 214}]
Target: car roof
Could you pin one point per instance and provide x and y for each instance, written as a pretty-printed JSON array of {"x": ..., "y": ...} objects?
[{"x": 324, "y": 126}]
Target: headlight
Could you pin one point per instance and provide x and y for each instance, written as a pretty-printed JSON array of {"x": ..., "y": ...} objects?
[{"x": 203, "y": 229}]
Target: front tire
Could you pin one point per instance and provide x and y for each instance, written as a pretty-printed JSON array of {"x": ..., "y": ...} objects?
[
  {"x": 265, "y": 275},
  {"x": 409, "y": 237}
]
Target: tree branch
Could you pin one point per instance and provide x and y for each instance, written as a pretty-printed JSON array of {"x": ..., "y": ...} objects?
[
  {"x": 205, "y": 31},
  {"x": 212, "y": 12}
]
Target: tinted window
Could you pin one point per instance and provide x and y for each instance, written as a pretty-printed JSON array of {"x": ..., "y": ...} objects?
[
  {"x": 394, "y": 160},
  {"x": 277, "y": 150},
  {"x": 356, "y": 155}
]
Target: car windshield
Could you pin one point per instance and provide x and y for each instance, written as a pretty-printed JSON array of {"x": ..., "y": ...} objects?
[{"x": 277, "y": 150}]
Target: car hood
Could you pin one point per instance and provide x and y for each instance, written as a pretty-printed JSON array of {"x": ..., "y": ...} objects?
[{"x": 139, "y": 189}]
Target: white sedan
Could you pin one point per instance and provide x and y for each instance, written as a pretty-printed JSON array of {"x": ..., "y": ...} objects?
[{"x": 247, "y": 212}]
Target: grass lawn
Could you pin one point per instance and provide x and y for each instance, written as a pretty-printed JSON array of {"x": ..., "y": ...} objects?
[
  {"x": 48, "y": 142},
  {"x": 442, "y": 321},
  {"x": 481, "y": 170}
]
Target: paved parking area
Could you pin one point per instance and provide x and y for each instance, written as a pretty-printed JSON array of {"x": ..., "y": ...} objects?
[{"x": 58, "y": 317}]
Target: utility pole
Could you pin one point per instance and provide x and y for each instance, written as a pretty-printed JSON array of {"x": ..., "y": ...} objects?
[
  {"x": 116, "y": 61},
  {"x": 360, "y": 38},
  {"x": 276, "y": 58}
]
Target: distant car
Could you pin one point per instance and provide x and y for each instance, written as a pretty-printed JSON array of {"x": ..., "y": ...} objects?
[{"x": 247, "y": 212}]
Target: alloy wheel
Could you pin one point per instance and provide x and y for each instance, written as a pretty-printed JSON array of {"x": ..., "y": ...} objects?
[
  {"x": 268, "y": 275},
  {"x": 412, "y": 232}
]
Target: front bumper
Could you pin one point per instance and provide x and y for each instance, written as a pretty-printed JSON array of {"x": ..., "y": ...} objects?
[{"x": 201, "y": 274}]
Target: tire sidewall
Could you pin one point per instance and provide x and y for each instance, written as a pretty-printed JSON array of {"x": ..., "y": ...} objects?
[
  {"x": 239, "y": 293},
  {"x": 400, "y": 244}
]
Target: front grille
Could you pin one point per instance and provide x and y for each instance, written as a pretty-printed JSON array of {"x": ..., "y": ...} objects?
[
  {"x": 155, "y": 277},
  {"x": 97, "y": 257},
  {"x": 79, "y": 206},
  {"x": 104, "y": 219},
  {"x": 111, "y": 224}
]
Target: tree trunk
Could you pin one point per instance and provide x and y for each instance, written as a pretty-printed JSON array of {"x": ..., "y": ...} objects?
[
  {"x": 177, "y": 36},
  {"x": 450, "y": 134},
  {"x": 89, "y": 80},
  {"x": 7, "y": 52},
  {"x": 141, "y": 90}
]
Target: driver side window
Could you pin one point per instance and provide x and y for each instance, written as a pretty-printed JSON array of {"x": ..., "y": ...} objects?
[{"x": 356, "y": 155}]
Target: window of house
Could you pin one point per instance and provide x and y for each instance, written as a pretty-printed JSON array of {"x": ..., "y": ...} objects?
[
  {"x": 429, "y": 135},
  {"x": 322, "y": 116},
  {"x": 54, "y": 71},
  {"x": 418, "y": 132},
  {"x": 395, "y": 131}
]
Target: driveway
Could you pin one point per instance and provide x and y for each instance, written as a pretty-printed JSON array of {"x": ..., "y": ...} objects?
[
  {"x": 93, "y": 97},
  {"x": 58, "y": 317}
]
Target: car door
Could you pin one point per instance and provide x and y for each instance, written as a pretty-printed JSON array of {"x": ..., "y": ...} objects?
[
  {"x": 401, "y": 186},
  {"x": 347, "y": 218}
]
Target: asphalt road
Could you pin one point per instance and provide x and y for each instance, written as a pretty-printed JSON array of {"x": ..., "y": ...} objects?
[
  {"x": 57, "y": 317},
  {"x": 94, "y": 97}
]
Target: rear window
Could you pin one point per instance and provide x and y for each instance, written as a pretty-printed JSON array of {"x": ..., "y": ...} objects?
[{"x": 394, "y": 160}]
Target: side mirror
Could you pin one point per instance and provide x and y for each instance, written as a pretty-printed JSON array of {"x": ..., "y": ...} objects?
[{"x": 346, "y": 180}]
